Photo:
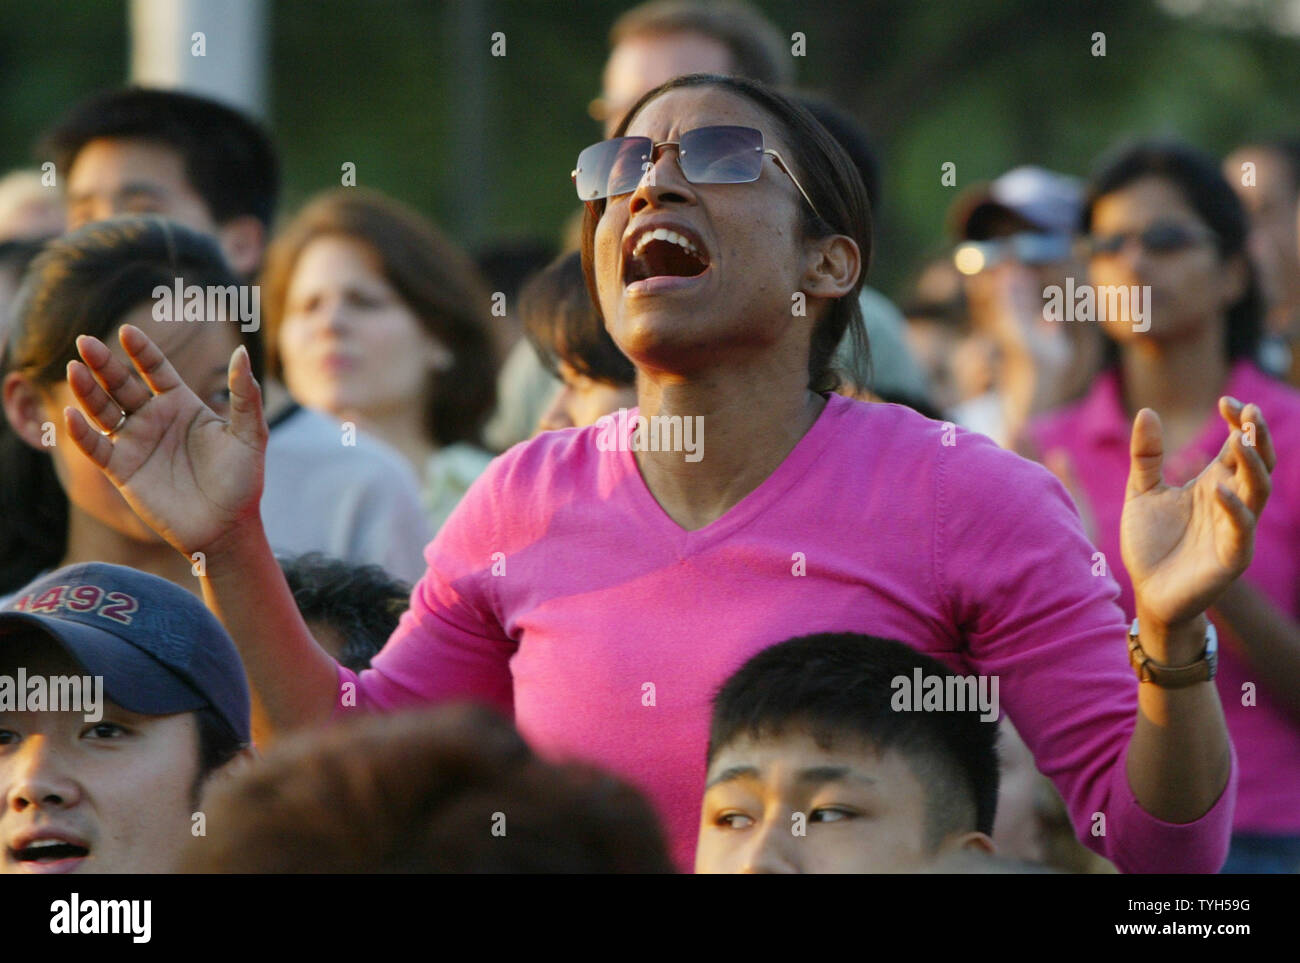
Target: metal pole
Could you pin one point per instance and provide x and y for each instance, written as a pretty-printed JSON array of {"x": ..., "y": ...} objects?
[{"x": 216, "y": 48}]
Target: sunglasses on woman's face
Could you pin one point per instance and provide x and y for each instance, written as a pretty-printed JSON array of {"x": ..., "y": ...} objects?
[
  {"x": 1165, "y": 237},
  {"x": 706, "y": 155}
]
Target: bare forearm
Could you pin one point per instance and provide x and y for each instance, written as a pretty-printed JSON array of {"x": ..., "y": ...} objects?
[
  {"x": 1269, "y": 639},
  {"x": 293, "y": 679},
  {"x": 1179, "y": 758}
]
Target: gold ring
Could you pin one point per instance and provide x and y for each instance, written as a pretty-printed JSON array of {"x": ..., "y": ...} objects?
[{"x": 116, "y": 428}]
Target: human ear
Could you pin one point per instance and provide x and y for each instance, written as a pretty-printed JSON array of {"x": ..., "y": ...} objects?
[
  {"x": 832, "y": 266},
  {"x": 1235, "y": 275},
  {"x": 243, "y": 239},
  {"x": 238, "y": 764},
  {"x": 24, "y": 409},
  {"x": 968, "y": 843},
  {"x": 440, "y": 357}
]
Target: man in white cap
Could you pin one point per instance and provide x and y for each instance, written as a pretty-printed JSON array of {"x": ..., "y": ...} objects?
[
  {"x": 121, "y": 696},
  {"x": 1016, "y": 241}
]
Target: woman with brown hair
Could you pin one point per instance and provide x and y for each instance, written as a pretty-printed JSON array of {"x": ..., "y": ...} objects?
[{"x": 375, "y": 317}]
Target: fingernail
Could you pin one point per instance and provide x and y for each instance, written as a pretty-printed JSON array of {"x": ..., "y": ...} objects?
[{"x": 1234, "y": 402}]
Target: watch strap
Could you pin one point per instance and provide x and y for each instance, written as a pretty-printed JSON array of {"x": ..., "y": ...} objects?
[{"x": 1174, "y": 677}]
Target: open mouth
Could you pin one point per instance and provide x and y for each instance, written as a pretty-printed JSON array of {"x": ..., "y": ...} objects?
[
  {"x": 663, "y": 253},
  {"x": 49, "y": 855}
]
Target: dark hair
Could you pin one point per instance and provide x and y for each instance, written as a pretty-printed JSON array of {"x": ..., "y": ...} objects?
[
  {"x": 562, "y": 325},
  {"x": 506, "y": 265},
  {"x": 833, "y": 183},
  {"x": 217, "y": 746},
  {"x": 852, "y": 136},
  {"x": 82, "y": 283},
  {"x": 1199, "y": 180},
  {"x": 229, "y": 159},
  {"x": 16, "y": 255},
  {"x": 838, "y": 684},
  {"x": 434, "y": 278},
  {"x": 758, "y": 49},
  {"x": 363, "y": 603},
  {"x": 424, "y": 792}
]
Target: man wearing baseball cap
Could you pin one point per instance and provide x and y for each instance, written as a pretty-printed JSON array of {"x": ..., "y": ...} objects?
[
  {"x": 1016, "y": 238},
  {"x": 112, "y": 787}
]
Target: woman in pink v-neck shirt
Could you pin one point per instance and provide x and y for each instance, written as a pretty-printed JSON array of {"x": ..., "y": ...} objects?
[
  {"x": 1182, "y": 234},
  {"x": 601, "y": 595}
]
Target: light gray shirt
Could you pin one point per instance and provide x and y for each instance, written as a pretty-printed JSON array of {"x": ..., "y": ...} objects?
[{"x": 338, "y": 491}]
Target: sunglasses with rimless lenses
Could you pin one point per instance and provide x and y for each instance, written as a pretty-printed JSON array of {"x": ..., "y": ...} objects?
[
  {"x": 1163, "y": 237},
  {"x": 706, "y": 155}
]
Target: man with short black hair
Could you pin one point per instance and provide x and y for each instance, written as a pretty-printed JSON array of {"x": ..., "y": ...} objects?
[
  {"x": 145, "y": 151},
  {"x": 112, "y": 784},
  {"x": 815, "y": 764}
]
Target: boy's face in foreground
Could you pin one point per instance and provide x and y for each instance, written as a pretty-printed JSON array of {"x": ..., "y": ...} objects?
[
  {"x": 114, "y": 794},
  {"x": 859, "y": 811}
]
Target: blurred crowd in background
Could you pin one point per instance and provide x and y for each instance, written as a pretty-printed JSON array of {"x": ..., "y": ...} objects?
[{"x": 396, "y": 364}]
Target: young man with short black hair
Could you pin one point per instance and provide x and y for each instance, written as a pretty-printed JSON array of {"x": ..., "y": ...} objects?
[{"x": 816, "y": 766}]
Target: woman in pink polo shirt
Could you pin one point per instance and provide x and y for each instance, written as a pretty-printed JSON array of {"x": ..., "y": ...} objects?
[
  {"x": 599, "y": 583},
  {"x": 1162, "y": 219}
]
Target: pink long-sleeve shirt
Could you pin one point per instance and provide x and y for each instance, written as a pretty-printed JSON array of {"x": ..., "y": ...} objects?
[
  {"x": 560, "y": 590},
  {"x": 1094, "y": 434}
]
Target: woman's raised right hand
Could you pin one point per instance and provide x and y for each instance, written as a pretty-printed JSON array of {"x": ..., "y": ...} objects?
[{"x": 192, "y": 476}]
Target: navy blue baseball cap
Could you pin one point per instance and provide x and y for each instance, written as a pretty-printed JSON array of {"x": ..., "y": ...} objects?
[{"x": 156, "y": 646}]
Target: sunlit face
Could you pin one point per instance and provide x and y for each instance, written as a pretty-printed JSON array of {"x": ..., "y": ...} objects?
[
  {"x": 1190, "y": 288},
  {"x": 860, "y": 811},
  {"x": 200, "y": 352},
  {"x": 749, "y": 234},
  {"x": 581, "y": 401},
  {"x": 1270, "y": 200},
  {"x": 115, "y": 794},
  {"x": 641, "y": 63},
  {"x": 112, "y": 176},
  {"x": 348, "y": 343}
]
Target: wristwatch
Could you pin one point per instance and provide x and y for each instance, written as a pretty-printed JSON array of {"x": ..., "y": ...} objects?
[{"x": 1174, "y": 677}]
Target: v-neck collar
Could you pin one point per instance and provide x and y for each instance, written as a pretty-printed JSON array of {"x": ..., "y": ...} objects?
[
  {"x": 1110, "y": 421},
  {"x": 769, "y": 491}
]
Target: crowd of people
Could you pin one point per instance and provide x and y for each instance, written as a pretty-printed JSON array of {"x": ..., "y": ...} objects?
[{"x": 702, "y": 555}]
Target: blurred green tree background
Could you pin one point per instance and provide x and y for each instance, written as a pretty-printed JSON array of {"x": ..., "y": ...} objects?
[{"x": 409, "y": 92}]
